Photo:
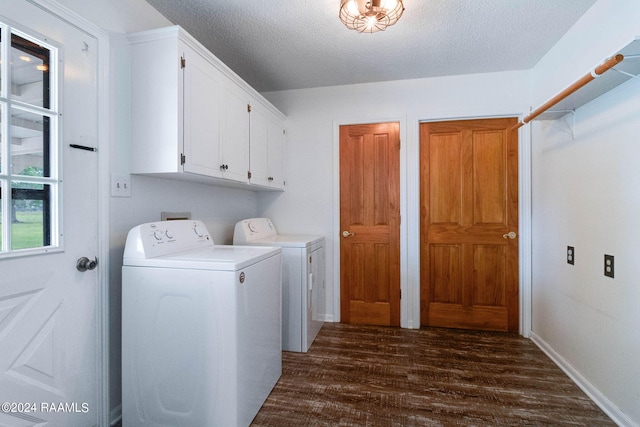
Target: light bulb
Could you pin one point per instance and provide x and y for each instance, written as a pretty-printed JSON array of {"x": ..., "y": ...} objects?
[
  {"x": 388, "y": 4},
  {"x": 352, "y": 7}
]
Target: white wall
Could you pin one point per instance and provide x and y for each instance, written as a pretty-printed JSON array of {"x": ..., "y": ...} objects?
[
  {"x": 310, "y": 204},
  {"x": 586, "y": 194}
]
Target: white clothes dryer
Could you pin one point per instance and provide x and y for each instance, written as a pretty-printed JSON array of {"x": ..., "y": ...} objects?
[
  {"x": 303, "y": 278},
  {"x": 201, "y": 332}
]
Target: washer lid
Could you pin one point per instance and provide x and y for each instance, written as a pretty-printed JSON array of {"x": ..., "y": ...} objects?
[
  {"x": 288, "y": 240},
  {"x": 218, "y": 257}
]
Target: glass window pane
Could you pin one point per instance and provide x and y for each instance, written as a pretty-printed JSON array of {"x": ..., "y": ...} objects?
[
  {"x": 1, "y": 67},
  {"x": 29, "y": 215},
  {"x": 29, "y": 72},
  {"x": 1, "y": 216},
  {"x": 2, "y": 138},
  {"x": 29, "y": 144}
]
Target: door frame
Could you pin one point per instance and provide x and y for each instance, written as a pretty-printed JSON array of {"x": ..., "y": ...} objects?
[
  {"x": 102, "y": 297},
  {"x": 410, "y": 210}
]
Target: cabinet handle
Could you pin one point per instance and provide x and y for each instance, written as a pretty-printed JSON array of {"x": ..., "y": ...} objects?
[{"x": 224, "y": 167}]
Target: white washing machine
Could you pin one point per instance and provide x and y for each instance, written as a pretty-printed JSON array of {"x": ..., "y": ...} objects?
[
  {"x": 201, "y": 327},
  {"x": 303, "y": 284}
]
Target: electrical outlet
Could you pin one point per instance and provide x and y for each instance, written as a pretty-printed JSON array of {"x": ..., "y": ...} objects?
[
  {"x": 571, "y": 255},
  {"x": 120, "y": 185},
  {"x": 608, "y": 266}
]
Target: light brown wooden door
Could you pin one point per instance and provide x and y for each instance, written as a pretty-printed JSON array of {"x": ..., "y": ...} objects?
[
  {"x": 370, "y": 224},
  {"x": 469, "y": 205}
]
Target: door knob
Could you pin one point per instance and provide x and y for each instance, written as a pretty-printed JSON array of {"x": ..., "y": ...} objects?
[
  {"x": 509, "y": 235},
  {"x": 85, "y": 264},
  {"x": 345, "y": 233}
]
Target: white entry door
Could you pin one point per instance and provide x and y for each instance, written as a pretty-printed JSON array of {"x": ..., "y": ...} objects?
[{"x": 49, "y": 190}]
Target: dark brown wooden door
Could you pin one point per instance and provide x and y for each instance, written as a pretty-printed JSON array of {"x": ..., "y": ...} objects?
[
  {"x": 370, "y": 224},
  {"x": 469, "y": 205}
]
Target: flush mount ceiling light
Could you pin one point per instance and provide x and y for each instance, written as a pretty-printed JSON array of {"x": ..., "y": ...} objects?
[{"x": 369, "y": 16}]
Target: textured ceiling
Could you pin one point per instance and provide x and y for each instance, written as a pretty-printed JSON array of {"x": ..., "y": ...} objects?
[{"x": 294, "y": 44}]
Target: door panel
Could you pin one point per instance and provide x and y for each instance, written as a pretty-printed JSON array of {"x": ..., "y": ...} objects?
[
  {"x": 48, "y": 341},
  {"x": 469, "y": 202},
  {"x": 444, "y": 179},
  {"x": 370, "y": 214},
  {"x": 488, "y": 179}
]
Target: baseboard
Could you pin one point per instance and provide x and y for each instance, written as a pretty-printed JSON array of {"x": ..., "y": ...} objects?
[
  {"x": 590, "y": 390},
  {"x": 115, "y": 415},
  {"x": 326, "y": 318}
]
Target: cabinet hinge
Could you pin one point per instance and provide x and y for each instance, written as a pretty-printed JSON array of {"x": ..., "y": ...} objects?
[
  {"x": 248, "y": 108},
  {"x": 400, "y": 293},
  {"x": 183, "y": 62},
  {"x": 249, "y": 174},
  {"x": 183, "y": 159}
]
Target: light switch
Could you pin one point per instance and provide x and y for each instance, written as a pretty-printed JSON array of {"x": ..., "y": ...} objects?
[{"x": 120, "y": 185}]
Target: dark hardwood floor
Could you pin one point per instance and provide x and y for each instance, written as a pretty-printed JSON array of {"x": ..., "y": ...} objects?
[{"x": 377, "y": 376}]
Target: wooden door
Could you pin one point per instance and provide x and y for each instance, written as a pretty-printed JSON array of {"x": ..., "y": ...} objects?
[
  {"x": 468, "y": 207},
  {"x": 370, "y": 224}
]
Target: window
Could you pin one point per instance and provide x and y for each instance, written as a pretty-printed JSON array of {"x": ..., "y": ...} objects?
[{"x": 29, "y": 141}]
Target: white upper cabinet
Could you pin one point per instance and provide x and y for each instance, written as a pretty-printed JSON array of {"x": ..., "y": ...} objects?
[
  {"x": 201, "y": 131},
  {"x": 191, "y": 116},
  {"x": 235, "y": 134},
  {"x": 267, "y": 148},
  {"x": 276, "y": 154}
]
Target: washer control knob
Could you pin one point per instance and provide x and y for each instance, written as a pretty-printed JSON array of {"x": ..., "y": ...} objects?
[{"x": 157, "y": 234}]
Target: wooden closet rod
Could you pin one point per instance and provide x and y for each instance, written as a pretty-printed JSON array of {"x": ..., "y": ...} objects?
[{"x": 596, "y": 72}]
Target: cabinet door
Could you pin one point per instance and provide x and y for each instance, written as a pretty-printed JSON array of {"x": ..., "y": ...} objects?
[
  {"x": 276, "y": 154},
  {"x": 235, "y": 134},
  {"x": 259, "y": 146},
  {"x": 201, "y": 115},
  {"x": 267, "y": 148}
]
